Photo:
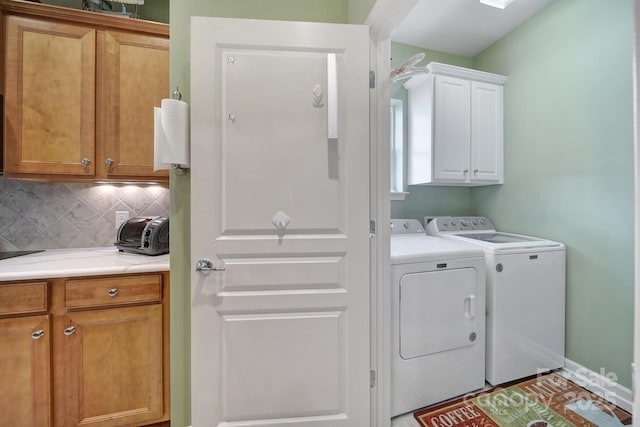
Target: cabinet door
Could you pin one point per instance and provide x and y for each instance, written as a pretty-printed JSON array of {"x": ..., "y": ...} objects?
[
  {"x": 136, "y": 78},
  {"x": 25, "y": 371},
  {"x": 111, "y": 365},
  {"x": 49, "y": 98},
  {"x": 452, "y": 133},
  {"x": 486, "y": 133}
]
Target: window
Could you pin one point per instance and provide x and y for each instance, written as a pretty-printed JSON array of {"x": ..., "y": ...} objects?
[{"x": 397, "y": 139}]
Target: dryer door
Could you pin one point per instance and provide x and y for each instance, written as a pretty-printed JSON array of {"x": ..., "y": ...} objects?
[{"x": 438, "y": 311}]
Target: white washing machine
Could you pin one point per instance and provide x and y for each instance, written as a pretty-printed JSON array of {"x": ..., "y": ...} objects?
[
  {"x": 525, "y": 297},
  {"x": 438, "y": 331}
]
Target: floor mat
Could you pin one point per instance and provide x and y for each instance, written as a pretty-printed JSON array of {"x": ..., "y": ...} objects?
[{"x": 546, "y": 401}]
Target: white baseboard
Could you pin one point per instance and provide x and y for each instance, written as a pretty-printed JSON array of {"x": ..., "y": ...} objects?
[{"x": 599, "y": 384}]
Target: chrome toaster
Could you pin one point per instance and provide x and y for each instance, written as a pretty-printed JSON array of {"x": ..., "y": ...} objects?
[{"x": 147, "y": 235}]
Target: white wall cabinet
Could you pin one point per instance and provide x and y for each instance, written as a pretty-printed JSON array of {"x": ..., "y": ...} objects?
[{"x": 455, "y": 127}]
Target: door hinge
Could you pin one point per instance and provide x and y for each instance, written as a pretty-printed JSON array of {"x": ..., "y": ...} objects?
[
  {"x": 372, "y": 229},
  {"x": 372, "y": 378},
  {"x": 372, "y": 79}
]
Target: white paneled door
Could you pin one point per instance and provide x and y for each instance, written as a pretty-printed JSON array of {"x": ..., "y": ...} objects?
[{"x": 280, "y": 224}]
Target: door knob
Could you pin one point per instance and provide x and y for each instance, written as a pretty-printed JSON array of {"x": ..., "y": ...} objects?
[{"x": 204, "y": 265}]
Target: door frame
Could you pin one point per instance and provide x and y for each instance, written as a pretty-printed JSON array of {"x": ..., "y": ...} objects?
[
  {"x": 635, "y": 375},
  {"x": 384, "y": 18}
]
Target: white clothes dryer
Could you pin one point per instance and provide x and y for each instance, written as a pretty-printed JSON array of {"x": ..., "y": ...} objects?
[
  {"x": 438, "y": 305},
  {"x": 525, "y": 297}
]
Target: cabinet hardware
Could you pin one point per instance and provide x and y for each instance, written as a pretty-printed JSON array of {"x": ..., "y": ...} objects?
[
  {"x": 70, "y": 331},
  {"x": 86, "y": 161},
  {"x": 112, "y": 292},
  {"x": 36, "y": 335},
  {"x": 109, "y": 162}
]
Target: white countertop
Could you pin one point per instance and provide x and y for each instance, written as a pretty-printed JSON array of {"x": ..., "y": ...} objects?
[{"x": 79, "y": 262}]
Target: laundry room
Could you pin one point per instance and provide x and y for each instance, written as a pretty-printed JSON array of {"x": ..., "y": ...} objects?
[{"x": 567, "y": 164}]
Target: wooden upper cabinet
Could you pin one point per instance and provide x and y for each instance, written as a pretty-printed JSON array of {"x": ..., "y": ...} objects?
[
  {"x": 80, "y": 88},
  {"x": 49, "y": 97},
  {"x": 136, "y": 78}
]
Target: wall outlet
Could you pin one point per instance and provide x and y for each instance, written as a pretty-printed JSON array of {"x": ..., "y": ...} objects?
[{"x": 121, "y": 216}]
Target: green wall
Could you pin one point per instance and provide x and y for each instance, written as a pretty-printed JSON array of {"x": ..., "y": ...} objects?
[
  {"x": 334, "y": 11},
  {"x": 569, "y": 163},
  {"x": 359, "y": 10},
  {"x": 152, "y": 10}
]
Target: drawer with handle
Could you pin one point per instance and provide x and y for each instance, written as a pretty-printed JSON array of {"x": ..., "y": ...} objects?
[
  {"x": 114, "y": 290},
  {"x": 23, "y": 298}
]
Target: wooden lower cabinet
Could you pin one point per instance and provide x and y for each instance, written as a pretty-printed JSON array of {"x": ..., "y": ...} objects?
[
  {"x": 25, "y": 388},
  {"x": 111, "y": 366},
  {"x": 98, "y": 356}
]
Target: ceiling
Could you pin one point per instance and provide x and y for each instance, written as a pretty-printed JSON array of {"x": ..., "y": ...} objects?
[{"x": 463, "y": 27}]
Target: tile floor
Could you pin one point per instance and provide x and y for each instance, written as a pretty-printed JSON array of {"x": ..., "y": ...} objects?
[{"x": 406, "y": 420}]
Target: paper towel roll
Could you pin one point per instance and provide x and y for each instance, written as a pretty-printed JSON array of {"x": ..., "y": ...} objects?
[{"x": 171, "y": 134}]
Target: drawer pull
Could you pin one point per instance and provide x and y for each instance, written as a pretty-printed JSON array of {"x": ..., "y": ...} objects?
[
  {"x": 36, "y": 335},
  {"x": 70, "y": 331},
  {"x": 112, "y": 292}
]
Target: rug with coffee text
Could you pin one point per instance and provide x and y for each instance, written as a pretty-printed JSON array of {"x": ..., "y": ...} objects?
[{"x": 545, "y": 401}]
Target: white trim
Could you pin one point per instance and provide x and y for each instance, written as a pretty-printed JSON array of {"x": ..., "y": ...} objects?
[
  {"x": 466, "y": 73},
  {"x": 384, "y": 18},
  {"x": 599, "y": 384},
  {"x": 398, "y": 195},
  {"x": 635, "y": 377},
  {"x": 434, "y": 68}
]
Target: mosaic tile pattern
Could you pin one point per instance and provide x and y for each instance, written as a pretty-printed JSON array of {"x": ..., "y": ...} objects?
[{"x": 36, "y": 215}]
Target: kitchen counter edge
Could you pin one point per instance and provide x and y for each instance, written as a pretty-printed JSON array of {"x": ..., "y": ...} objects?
[{"x": 56, "y": 263}]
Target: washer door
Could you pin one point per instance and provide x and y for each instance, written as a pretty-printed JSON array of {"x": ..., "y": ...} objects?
[{"x": 438, "y": 311}]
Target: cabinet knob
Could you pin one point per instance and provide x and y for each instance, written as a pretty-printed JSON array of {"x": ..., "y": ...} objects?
[
  {"x": 475, "y": 171},
  {"x": 112, "y": 292},
  {"x": 70, "y": 330},
  {"x": 109, "y": 162},
  {"x": 466, "y": 171},
  {"x": 86, "y": 161},
  {"x": 36, "y": 335}
]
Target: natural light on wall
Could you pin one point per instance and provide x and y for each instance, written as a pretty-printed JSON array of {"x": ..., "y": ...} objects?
[{"x": 500, "y": 4}]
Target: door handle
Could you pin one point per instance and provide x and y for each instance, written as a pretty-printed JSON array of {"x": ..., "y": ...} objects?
[
  {"x": 470, "y": 307},
  {"x": 205, "y": 265}
]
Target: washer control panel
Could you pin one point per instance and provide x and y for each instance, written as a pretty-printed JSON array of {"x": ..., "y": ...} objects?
[{"x": 453, "y": 224}]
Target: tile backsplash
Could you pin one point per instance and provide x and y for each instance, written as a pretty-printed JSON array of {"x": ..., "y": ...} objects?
[{"x": 36, "y": 215}]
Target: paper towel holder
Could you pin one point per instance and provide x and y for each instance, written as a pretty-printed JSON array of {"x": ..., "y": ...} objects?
[
  {"x": 178, "y": 169},
  {"x": 176, "y": 94}
]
